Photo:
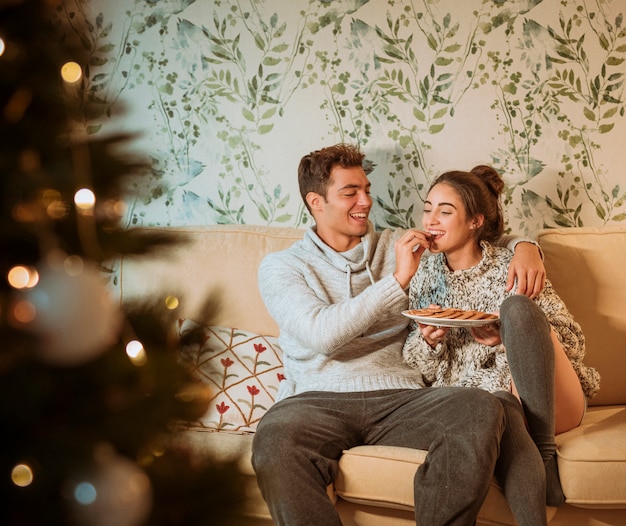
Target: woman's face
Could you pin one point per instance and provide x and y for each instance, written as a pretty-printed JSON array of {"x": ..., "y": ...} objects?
[{"x": 445, "y": 218}]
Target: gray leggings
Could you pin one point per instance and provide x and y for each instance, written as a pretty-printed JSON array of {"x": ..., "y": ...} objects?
[
  {"x": 299, "y": 441},
  {"x": 525, "y": 333}
]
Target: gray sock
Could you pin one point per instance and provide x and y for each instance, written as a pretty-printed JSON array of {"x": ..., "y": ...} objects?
[
  {"x": 525, "y": 333},
  {"x": 519, "y": 469}
]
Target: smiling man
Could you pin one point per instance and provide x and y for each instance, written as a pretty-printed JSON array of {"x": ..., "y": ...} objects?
[{"x": 337, "y": 297}]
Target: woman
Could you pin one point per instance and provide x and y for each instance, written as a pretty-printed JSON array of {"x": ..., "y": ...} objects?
[{"x": 536, "y": 349}]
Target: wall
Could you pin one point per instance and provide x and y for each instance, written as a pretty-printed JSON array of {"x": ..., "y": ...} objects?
[{"x": 230, "y": 94}]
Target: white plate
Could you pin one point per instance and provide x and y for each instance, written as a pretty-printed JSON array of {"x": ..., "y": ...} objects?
[{"x": 447, "y": 322}]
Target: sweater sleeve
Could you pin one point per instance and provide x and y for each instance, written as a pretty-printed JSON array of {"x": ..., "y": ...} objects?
[
  {"x": 418, "y": 354},
  {"x": 321, "y": 325},
  {"x": 511, "y": 241}
]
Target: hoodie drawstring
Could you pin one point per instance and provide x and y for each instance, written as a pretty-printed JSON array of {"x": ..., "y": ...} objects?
[
  {"x": 369, "y": 272},
  {"x": 349, "y": 277}
]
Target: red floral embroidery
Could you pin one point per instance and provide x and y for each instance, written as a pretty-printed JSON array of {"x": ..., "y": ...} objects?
[
  {"x": 253, "y": 390},
  {"x": 259, "y": 347},
  {"x": 280, "y": 377},
  {"x": 222, "y": 408},
  {"x": 227, "y": 362}
]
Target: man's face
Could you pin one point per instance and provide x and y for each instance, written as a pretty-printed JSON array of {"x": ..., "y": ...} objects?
[{"x": 342, "y": 217}]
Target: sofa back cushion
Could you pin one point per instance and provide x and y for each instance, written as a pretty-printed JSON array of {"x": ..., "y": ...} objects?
[
  {"x": 213, "y": 273},
  {"x": 587, "y": 268}
]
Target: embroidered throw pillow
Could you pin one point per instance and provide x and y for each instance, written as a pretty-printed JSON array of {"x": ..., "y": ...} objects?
[{"x": 243, "y": 370}]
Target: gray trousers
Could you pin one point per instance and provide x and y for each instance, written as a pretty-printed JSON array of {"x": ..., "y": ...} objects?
[{"x": 298, "y": 443}]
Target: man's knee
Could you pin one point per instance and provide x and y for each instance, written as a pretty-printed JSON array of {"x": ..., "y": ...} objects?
[
  {"x": 509, "y": 402},
  {"x": 477, "y": 408},
  {"x": 487, "y": 411},
  {"x": 279, "y": 434}
]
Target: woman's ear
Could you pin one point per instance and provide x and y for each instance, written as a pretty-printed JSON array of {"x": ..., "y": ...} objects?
[{"x": 477, "y": 222}]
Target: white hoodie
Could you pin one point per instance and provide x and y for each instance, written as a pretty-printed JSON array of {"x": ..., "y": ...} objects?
[{"x": 341, "y": 327}]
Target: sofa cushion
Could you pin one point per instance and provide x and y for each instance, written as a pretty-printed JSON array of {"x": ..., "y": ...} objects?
[
  {"x": 382, "y": 476},
  {"x": 592, "y": 459},
  {"x": 243, "y": 369},
  {"x": 586, "y": 267},
  {"x": 213, "y": 273}
]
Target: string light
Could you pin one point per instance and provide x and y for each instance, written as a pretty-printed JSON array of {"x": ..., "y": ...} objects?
[
  {"x": 21, "y": 277},
  {"x": 85, "y": 200},
  {"x": 136, "y": 352},
  {"x": 22, "y": 475},
  {"x": 171, "y": 302},
  {"x": 71, "y": 72}
]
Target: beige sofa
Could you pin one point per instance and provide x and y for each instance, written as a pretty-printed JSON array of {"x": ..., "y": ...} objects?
[{"x": 218, "y": 267}]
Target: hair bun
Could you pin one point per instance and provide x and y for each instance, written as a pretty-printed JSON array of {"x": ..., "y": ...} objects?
[{"x": 491, "y": 179}]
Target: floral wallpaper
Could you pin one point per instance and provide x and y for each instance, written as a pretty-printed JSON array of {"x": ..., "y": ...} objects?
[{"x": 228, "y": 95}]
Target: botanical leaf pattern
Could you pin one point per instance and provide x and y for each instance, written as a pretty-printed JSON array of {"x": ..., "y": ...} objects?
[{"x": 230, "y": 94}]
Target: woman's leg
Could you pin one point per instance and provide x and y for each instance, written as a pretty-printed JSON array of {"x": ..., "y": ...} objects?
[
  {"x": 519, "y": 469},
  {"x": 526, "y": 335},
  {"x": 569, "y": 399},
  {"x": 568, "y": 393}
]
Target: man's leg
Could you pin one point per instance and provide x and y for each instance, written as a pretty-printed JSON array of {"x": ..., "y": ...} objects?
[
  {"x": 461, "y": 428},
  {"x": 295, "y": 455},
  {"x": 525, "y": 333}
]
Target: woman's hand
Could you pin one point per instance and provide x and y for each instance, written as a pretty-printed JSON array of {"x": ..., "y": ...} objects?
[
  {"x": 432, "y": 334},
  {"x": 487, "y": 334}
]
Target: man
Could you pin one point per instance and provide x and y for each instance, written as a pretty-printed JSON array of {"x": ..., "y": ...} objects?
[{"x": 337, "y": 297}]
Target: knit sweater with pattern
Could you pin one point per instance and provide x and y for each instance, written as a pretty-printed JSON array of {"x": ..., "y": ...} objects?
[
  {"x": 340, "y": 315},
  {"x": 460, "y": 359}
]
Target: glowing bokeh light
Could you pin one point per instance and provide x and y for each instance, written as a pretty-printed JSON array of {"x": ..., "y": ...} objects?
[
  {"x": 171, "y": 302},
  {"x": 73, "y": 265},
  {"x": 71, "y": 72},
  {"x": 85, "y": 493},
  {"x": 22, "y": 475},
  {"x": 21, "y": 277},
  {"x": 112, "y": 209},
  {"x": 24, "y": 312},
  {"x": 85, "y": 199},
  {"x": 49, "y": 195},
  {"x": 2, "y": 47},
  {"x": 136, "y": 352},
  {"x": 52, "y": 201}
]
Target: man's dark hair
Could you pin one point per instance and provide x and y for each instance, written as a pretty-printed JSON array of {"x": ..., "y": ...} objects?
[{"x": 314, "y": 170}]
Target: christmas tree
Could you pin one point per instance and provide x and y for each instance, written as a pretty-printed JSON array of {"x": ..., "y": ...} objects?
[{"x": 89, "y": 390}]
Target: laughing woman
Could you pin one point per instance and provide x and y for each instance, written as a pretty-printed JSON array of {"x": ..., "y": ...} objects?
[{"x": 535, "y": 351}]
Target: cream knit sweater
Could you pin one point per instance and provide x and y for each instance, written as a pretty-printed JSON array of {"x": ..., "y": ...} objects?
[
  {"x": 341, "y": 327},
  {"x": 461, "y": 360}
]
